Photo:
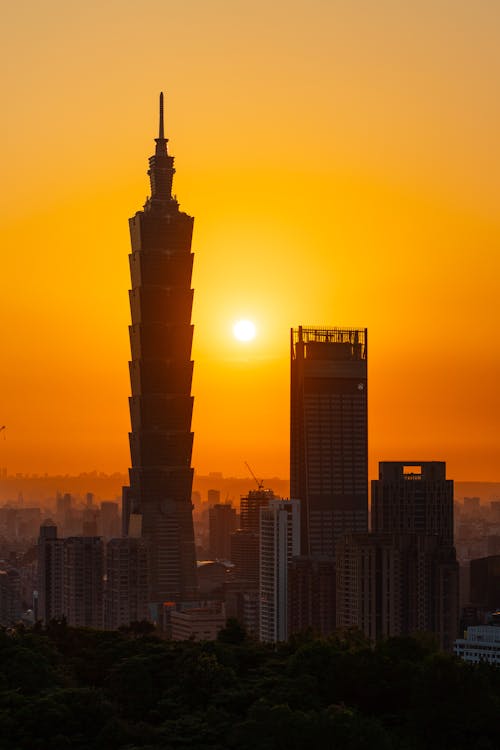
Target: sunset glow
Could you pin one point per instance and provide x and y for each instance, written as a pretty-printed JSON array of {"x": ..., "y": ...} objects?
[{"x": 342, "y": 164}]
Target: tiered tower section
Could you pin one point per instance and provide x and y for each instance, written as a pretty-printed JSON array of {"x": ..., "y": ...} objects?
[{"x": 160, "y": 373}]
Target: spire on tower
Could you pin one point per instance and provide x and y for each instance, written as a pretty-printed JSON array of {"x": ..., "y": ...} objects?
[
  {"x": 161, "y": 165},
  {"x": 161, "y": 132}
]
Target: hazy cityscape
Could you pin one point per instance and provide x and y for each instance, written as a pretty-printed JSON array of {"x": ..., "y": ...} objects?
[
  {"x": 258, "y": 508},
  {"x": 278, "y": 560}
]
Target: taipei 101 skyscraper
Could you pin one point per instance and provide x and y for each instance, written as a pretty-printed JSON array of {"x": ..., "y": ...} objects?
[{"x": 158, "y": 502}]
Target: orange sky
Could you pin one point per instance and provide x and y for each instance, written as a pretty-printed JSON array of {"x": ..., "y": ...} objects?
[{"x": 342, "y": 162}]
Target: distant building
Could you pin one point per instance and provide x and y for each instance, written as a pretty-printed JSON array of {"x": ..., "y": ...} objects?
[
  {"x": 64, "y": 515},
  {"x": 89, "y": 521},
  {"x": 311, "y": 595},
  {"x": 28, "y": 522},
  {"x": 397, "y": 584},
  {"x": 242, "y": 596},
  {"x": 250, "y": 506},
  {"x": 126, "y": 592},
  {"x": 213, "y": 497},
  {"x": 251, "y": 612},
  {"x": 212, "y": 577},
  {"x": 223, "y": 520},
  {"x": 279, "y": 542},
  {"x": 472, "y": 506},
  {"x": 413, "y": 497},
  {"x": 242, "y": 599},
  {"x": 485, "y": 582},
  {"x": 83, "y": 581},
  {"x": 244, "y": 554},
  {"x": 413, "y": 501},
  {"x": 50, "y": 602},
  {"x": 198, "y": 624},
  {"x": 495, "y": 511},
  {"x": 10, "y": 596},
  {"x": 493, "y": 544},
  {"x": 481, "y": 643},
  {"x": 329, "y": 435},
  {"x": 70, "y": 578},
  {"x": 110, "y": 520}
]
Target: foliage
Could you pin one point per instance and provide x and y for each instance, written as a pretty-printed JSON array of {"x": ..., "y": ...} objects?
[{"x": 63, "y": 688}]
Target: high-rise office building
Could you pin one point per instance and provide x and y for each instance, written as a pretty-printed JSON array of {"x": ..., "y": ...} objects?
[
  {"x": 413, "y": 497},
  {"x": 161, "y": 372},
  {"x": 329, "y": 435},
  {"x": 279, "y": 542}
]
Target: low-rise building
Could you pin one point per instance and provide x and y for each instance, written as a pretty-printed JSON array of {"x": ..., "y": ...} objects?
[
  {"x": 198, "y": 624},
  {"x": 481, "y": 643}
]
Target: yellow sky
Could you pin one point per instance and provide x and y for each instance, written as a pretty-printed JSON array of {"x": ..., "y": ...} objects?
[{"x": 342, "y": 162}]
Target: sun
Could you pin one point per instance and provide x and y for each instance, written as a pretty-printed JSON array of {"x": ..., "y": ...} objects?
[{"x": 244, "y": 330}]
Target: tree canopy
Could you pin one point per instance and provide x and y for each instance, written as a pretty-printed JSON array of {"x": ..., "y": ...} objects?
[{"x": 64, "y": 688}]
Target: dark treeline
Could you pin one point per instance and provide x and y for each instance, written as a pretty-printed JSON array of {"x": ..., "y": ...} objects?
[{"x": 64, "y": 688}]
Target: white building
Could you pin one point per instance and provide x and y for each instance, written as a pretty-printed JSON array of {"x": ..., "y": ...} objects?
[
  {"x": 199, "y": 623},
  {"x": 279, "y": 542},
  {"x": 481, "y": 643}
]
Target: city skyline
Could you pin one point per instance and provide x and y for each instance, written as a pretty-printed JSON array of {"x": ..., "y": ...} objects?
[{"x": 355, "y": 184}]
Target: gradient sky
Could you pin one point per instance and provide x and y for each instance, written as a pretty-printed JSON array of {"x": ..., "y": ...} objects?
[{"x": 342, "y": 162}]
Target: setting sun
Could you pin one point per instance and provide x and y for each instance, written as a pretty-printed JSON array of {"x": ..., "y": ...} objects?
[{"x": 244, "y": 330}]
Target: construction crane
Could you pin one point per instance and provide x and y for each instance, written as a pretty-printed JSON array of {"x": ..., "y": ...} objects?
[{"x": 260, "y": 484}]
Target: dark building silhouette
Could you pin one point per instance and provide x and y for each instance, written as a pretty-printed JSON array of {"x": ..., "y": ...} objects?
[
  {"x": 222, "y": 521},
  {"x": 244, "y": 543},
  {"x": 83, "y": 578},
  {"x": 10, "y": 595},
  {"x": 89, "y": 521},
  {"x": 161, "y": 372},
  {"x": 250, "y": 506},
  {"x": 397, "y": 584},
  {"x": 404, "y": 575},
  {"x": 413, "y": 497},
  {"x": 311, "y": 595},
  {"x": 110, "y": 520},
  {"x": 212, "y": 576},
  {"x": 50, "y": 603},
  {"x": 126, "y": 591},
  {"x": 213, "y": 497},
  {"x": 242, "y": 594},
  {"x": 244, "y": 554},
  {"x": 329, "y": 435},
  {"x": 485, "y": 582}
]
